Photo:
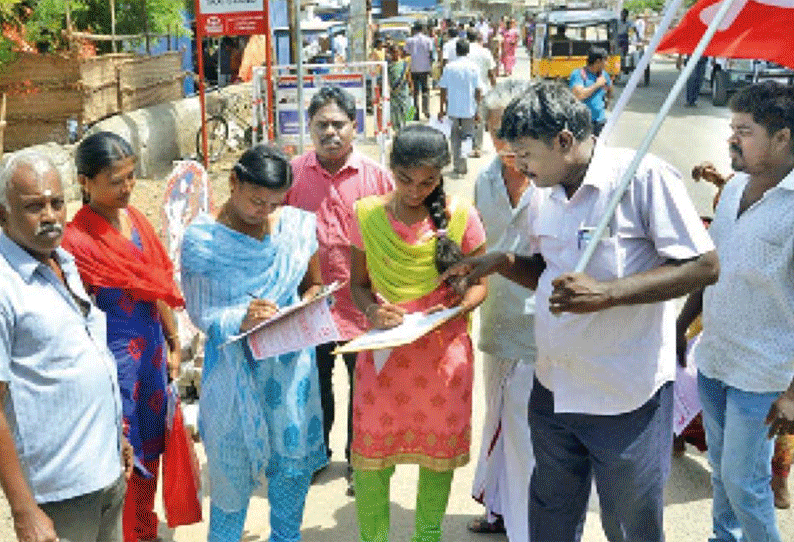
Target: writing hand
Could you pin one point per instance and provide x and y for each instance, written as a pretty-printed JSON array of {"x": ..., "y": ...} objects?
[
  {"x": 259, "y": 310},
  {"x": 384, "y": 316},
  {"x": 578, "y": 293}
]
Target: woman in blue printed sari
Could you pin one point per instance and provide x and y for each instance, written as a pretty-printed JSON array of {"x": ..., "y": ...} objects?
[{"x": 255, "y": 415}]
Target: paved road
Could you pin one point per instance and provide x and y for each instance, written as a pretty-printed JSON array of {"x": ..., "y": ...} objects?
[{"x": 687, "y": 137}]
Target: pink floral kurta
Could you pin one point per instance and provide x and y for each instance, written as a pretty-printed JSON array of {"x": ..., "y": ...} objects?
[{"x": 418, "y": 408}]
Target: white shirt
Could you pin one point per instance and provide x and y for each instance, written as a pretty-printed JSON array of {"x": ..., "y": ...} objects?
[
  {"x": 461, "y": 78},
  {"x": 340, "y": 45},
  {"x": 485, "y": 62},
  {"x": 448, "y": 51},
  {"x": 612, "y": 361},
  {"x": 507, "y": 315},
  {"x": 748, "y": 315},
  {"x": 639, "y": 28},
  {"x": 485, "y": 31}
]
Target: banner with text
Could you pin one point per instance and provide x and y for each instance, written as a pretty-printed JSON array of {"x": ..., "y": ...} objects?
[{"x": 231, "y": 17}]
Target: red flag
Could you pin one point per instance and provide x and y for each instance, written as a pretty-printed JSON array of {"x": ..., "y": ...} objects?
[{"x": 761, "y": 29}]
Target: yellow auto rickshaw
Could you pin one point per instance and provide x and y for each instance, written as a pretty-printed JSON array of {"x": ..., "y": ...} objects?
[{"x": 563, "y": 38}]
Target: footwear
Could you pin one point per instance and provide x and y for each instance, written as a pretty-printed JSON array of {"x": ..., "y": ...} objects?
[
  {"x": 781, "y": 493},
  {"x": 483, "y": 526},
  {"x": 679, "y": 446},
  {"x": 318, "y": 472},
  {"x": 475, "y": 154}
]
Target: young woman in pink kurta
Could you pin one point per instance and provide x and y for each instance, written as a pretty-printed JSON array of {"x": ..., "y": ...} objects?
[{"x": 417, "y": 409}]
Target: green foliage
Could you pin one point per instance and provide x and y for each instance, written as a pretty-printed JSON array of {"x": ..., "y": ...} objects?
[
  {"x": 637, "y": 7},
  {"x": 47, "y": 20}
]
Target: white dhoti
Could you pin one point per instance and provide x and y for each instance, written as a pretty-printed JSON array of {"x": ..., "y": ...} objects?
[{"x": 501, "y": 481}]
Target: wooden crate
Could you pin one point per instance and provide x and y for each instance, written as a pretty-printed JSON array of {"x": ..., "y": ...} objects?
[
  {"x": 44, "y": 91},
  {"x": 150, "y": 80}
]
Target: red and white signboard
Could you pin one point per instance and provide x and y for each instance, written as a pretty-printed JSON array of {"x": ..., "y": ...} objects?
[{"x": 231, "y": 17}]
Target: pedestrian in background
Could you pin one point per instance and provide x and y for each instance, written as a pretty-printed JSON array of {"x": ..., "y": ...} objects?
[
  {"x": 125, "y": 267},
  {"x": 593, "y": 86},
  {"x": 257, "y": 416},
  {"x": 487, "y": 68},
  {"x": 60, "y": 421},
  {"x": 502, "y": 195},
  {"x": 461, "y": 92},
  {"x": 510, "y": 41},
  {"x": 328, "y": 180},
  {"x": 421, "y": 49},
  {"x": 417, "y": 408},
  {"x": 695, "y": 82},
  {"x": 745, "y": 369},
  {"x": 400, "y": 88}
]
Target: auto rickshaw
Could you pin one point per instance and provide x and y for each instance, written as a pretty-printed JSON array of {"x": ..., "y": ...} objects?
[{"x": 563, "y": 38}]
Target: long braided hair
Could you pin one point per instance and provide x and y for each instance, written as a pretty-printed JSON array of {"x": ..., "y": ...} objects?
[{"x": 417, "y": 145}]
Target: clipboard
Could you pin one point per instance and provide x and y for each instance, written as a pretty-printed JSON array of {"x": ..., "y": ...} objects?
[
  {"x": 414, "y": 326},
  {"x": 324, "y": 292}
]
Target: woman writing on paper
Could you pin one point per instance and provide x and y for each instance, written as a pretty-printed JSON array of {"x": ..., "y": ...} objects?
[
  {"x": 417, "y": 409},
  {"x": 256, "y": 415}
]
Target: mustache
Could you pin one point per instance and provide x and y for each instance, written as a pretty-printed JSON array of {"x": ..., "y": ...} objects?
[
  {"x": 331, "y": 139},
  {"x": 737, "y": 149},
  {"x": 44, "y": 229}
]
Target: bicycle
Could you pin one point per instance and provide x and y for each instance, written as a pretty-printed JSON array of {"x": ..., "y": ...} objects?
[{"x": 227, "y": 126}]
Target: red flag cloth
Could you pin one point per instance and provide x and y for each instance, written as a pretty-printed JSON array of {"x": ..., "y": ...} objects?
[
  {"x": 756, "y": 29},
  {"x": 105, "y": 258}
]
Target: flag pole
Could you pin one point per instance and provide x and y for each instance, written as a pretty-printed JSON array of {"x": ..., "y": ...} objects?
[
  {"x": 652, "y": 131},
  {"x": 639, "y": 70}
]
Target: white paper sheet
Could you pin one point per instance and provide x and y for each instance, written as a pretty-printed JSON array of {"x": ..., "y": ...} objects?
[
  {"x": 415, "y": 325},
  {"x": 686, "y": 401},
  {"x": 380, "y": 357},
  {"x": 304, "y": 328}
]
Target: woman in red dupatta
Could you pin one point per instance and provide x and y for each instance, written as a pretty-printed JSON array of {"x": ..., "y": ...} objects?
[{"x": 125, "y": 267}]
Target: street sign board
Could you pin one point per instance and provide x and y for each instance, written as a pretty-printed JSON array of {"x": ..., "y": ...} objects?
[{"x": 231, "y": 17}]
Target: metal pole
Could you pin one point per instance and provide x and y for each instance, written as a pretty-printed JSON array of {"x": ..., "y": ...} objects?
[
  {"x": 299, "y": 56},
  {"x": 202, "y": 90},
  {"x": 639, "y": 70},
  {"x": 652, "y": 131},
  {"x": 269, "y": 72}
]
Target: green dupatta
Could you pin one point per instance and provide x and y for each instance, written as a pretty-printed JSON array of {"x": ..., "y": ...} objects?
[{"x": 399, "y": 271}]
